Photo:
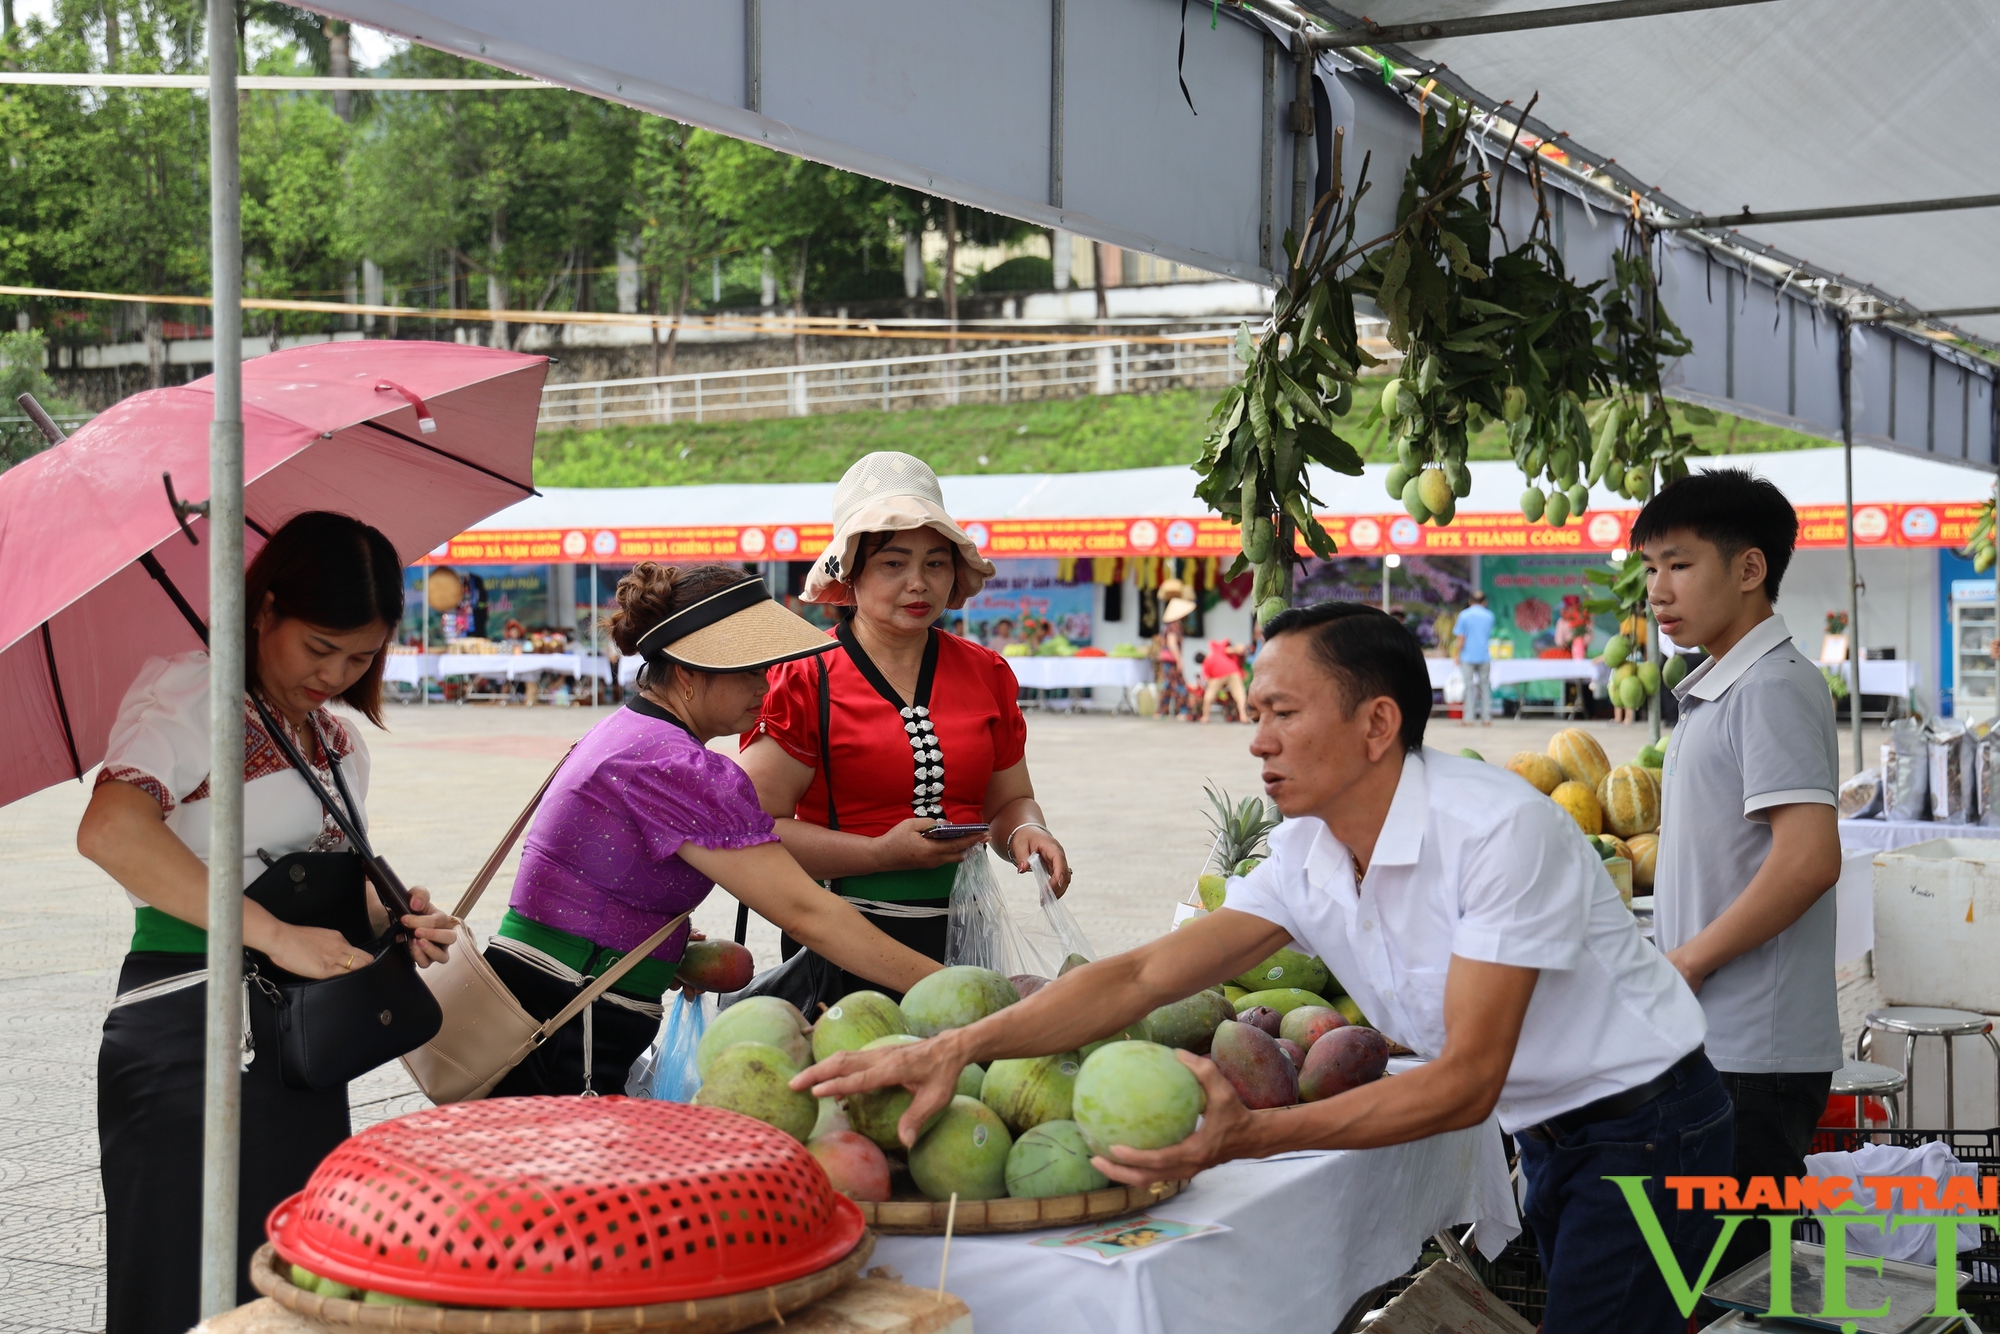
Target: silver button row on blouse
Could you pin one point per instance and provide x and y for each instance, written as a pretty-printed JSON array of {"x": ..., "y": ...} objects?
[{"x": 929, "y": 761}]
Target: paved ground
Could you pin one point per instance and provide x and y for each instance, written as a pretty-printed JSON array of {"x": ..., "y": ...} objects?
[{"x": 1125, "y": 795}]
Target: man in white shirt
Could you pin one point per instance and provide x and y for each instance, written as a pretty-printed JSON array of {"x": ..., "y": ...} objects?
[{"x": 1467, "y": 916}]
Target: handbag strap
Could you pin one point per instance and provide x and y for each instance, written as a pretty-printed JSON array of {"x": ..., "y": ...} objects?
[
  {"x": 378, "y": 870},
  {"x": 506, "y": 844},
  {"x": 606, "y": 980}
]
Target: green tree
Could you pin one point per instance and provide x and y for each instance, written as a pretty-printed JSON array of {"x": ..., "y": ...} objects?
[
  {"x": 22, "y": 358},
  {"x": 525, "y": 190},
  {"x": 677, "y": 231}
]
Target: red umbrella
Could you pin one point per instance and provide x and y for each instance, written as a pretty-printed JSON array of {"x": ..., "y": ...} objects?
[{"x": 422, "y": 440}]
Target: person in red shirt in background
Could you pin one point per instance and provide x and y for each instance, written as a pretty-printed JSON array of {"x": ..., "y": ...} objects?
[
  {"x": 903, "y": 726},
  {"x": 1222, "y": 674}
]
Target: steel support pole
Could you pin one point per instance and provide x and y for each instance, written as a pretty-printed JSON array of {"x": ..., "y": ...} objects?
[
  {"x": 1853, "y": 566},
  {"x": 1302, "y": 128},
  {"x": 223, "y": 1085},
  {"x": 1520, "y": 20}
]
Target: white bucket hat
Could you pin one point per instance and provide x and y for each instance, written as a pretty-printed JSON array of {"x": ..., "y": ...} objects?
[{"x": 887, "y": 492}]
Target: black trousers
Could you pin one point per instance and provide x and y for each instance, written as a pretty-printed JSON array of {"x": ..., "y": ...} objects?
[
  {"x": 149, "y": 1133},
  {"x": 1775, "y": 1116},
  {"x": 925, "y": 935},
  {"x": 618, "y": 1036}
]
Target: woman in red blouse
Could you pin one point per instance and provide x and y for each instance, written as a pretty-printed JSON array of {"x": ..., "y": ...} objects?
[{"x": 916, "y": 726}]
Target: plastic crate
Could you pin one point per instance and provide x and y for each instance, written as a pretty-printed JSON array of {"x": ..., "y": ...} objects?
[{"x": 1981, "y": 1297}]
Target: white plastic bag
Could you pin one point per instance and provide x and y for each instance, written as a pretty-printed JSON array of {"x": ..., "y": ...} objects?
[
  {"x": 666, "y": 1072},
  {"x": 1454, "y": 686},
  {"x": 986, "y": 933}
]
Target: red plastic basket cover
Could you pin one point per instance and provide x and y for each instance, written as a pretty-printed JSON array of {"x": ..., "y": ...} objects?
[{"x": 567, "y": 1203}]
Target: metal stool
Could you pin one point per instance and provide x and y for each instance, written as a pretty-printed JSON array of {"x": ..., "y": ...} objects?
[
  {"x": 1913, "y": 1022},
  {"x": 1861, "y": 1080}
]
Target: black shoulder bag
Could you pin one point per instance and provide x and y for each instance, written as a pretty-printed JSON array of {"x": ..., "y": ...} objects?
[
  {"x": 807, "y": 980},
  {"x": 336, "y": 1029}
]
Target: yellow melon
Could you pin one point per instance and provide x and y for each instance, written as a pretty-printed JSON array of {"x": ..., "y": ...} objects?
[
  {"x": 1581, "y": 803},
  {"x": 1581, "y": 758},
  {"x": 1645, "y": 856},
  {"x": 1538, "y": 769},
  {"x": 1630, "y": 802}
]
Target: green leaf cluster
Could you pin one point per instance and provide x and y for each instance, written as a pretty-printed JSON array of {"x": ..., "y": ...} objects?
[
  {"x": 1635, "y": 447},
  {"x": 1298, "y": 380}
]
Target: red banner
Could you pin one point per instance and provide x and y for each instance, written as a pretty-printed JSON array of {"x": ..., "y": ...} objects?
[{"x": 1890, "y": 525}]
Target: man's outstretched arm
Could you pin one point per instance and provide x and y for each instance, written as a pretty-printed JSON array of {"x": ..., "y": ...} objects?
[
  {"x": 1484, "y": 1005},
  {"x": 1088, "y": 1003}
]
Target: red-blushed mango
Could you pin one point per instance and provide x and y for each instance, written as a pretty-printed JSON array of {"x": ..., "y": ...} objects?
[
  {"x": 1344, "y": 1059},
  {"x": 1293, "y": 1052},
  {"x": 1255, "y": 1066},
  {"x": 716, "y": 965},
  {"x": 1309, "y": 1023},
  {"x": 1261, "y": 1017},
  {"x": 856, "y": 1167},
  {"x": 1027, "y": 984}
]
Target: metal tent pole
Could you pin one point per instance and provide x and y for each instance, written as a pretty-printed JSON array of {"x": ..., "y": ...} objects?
[
  {"x": 593, "y": 632},
  {"x": 1853, "y": 567},
  {"x": 223, "y": 1086}
]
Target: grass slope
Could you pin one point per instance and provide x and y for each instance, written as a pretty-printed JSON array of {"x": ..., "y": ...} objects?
[{"x": 1063, "y": 435}]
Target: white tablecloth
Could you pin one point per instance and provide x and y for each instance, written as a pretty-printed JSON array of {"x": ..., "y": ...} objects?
[
  {"x": 1076, "y": 673},
  {"x": 514, "y": 666},
  {"x": 1518, "y": 671},
  {"x": 1311, "y": 1234},
  {"x": 409, "y": 668},
  {"x": 1885, "y": 835}
]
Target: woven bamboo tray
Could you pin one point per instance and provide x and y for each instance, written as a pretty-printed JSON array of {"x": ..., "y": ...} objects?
[
  {"x": 712, "y": 1315},
  {"x": 921, "y": 1217}
]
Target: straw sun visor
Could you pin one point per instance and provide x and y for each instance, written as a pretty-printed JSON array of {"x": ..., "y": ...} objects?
[{"x": 736, "y": 630}]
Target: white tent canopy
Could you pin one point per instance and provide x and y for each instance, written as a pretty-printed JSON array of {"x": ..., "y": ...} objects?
[
  {"x": 1072, "y": 116},
  {"x": 1808, "y": 477}
]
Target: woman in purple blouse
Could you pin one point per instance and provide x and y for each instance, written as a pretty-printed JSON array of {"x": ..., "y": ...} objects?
[{"x": 642, "y": 819}]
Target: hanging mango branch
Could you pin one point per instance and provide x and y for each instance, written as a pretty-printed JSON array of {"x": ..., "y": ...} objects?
[
  {"x": 1279, "y": 418},
  {"x": 1635, "y": 448},
  {"x": 1511, "y": 338},
  {"x": 1980, "y": 547}
]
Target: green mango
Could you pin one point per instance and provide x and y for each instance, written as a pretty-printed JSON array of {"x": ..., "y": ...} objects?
[
  {"x": 1649, "y": 677},
  {"x": 1286, "y": 968},
  {"x": 1533, "y": 502},
  {"x": 1413, "y": 500},
  {"x": 1282, "y": 999},
  {"x": 1557, "y": 512},
  {"x": 1616, "y": 650},
  {"x": 1471, "y": 754},
  {"x": 1671, "y": 674}
]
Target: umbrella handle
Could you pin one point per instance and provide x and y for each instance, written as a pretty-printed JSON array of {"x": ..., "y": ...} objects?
[{"x": 183, "y": 508}]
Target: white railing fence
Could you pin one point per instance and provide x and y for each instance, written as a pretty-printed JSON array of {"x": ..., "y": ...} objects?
[{"x": 1205, "y": 359}]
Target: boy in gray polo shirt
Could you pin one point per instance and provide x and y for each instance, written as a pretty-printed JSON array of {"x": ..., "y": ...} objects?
[{"x": 1749, "y": 846}]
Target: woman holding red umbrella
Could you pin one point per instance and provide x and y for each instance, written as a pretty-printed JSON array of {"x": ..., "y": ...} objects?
[{"x": 322, "y": 597}]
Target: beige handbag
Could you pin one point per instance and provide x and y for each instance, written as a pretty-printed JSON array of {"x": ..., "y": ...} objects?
[{"x": 486, "y": 1033}]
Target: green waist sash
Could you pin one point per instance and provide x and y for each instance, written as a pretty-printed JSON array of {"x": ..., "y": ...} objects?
[
  {"x": 648, "y": 980},
  {"x": 155, "y": 932},
  {"x": 901, "y": 886}
]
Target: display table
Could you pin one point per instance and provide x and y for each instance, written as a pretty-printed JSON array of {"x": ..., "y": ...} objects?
[
  {"x": 877, "y": 1305},
  {"x": 1891, "y": 676},
  {"x": 1887, "y": 835},
  {"x": 1311, "y": 1234},
  {"x": 409, "y": 668},
  {"x": 1520, "y": 671},
  {"x": 514, "y": 666},
  {"x": 1046, "y": 674}
]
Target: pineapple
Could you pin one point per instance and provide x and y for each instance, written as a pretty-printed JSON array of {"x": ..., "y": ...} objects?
[{"x": 1240, "y": 828}]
